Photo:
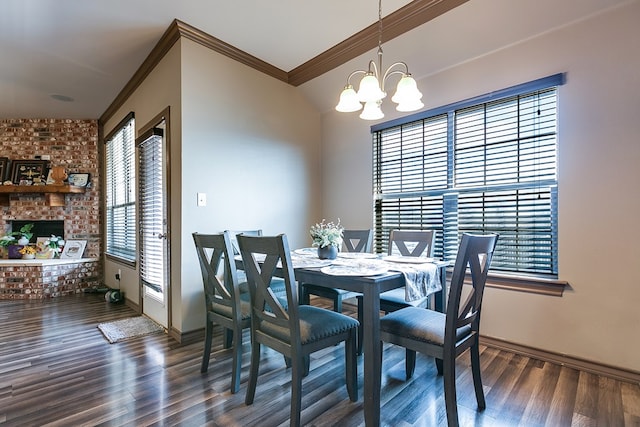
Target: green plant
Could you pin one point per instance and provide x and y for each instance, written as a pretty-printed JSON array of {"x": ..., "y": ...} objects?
[
  {"x": 327, "y": 234},
  {"x": 7, "y": 240},
  {"x": 25, "y": 231}
]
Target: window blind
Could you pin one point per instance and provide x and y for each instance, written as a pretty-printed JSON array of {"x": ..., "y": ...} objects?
[
  {"x": 475, "y": 167},
  {"x": 120, "y": 191},
  {"x": 152, "y": 226}
]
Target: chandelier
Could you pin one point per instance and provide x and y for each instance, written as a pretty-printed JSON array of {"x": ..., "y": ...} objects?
[{"x": 371, "y": 91}]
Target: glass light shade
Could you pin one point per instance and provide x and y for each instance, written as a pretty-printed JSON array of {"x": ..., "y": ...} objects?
[
  {"x": 407, "y": 92},
  {"x": 371, "y": 111},
  {"x": 369, "y": 90},
  {"x": 348, "y": 100},
  {"x": 410, "y": 106}
]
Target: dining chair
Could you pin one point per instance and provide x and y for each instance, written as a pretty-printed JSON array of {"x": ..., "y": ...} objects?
[
  {"x": 352, "y": 241},
  {"x": 447, "y": 335},
  {"x": 405, "y": 243},
  {"x": 226, "y": 305},
  {"x": 296, "y": 332}
]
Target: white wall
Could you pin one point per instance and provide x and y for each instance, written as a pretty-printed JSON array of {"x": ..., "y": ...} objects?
[
  {"x": 599, "y": 154},
  {"x": 252, "y": 144}
]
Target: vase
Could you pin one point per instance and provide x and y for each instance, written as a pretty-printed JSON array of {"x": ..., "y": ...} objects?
[
  {"x": 328, "y": 252},
  {"x": 13, "y": 251},
  {"x": 28, "y": 256}
]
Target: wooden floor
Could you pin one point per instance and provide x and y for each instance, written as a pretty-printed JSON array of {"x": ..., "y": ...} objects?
[{"x": 57, "y": 369}]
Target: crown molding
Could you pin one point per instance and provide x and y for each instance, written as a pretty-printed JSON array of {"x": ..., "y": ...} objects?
[
  {"x": 395, "y": 24},
  {"x": 399, "y": 22}
]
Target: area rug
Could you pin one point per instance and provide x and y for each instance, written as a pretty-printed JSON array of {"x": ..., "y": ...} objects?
[{"x": 132, "y": 327}]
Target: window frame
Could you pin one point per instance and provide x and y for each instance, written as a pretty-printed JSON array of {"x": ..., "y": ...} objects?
[
  {"x": 546, "y": 283},
  {"x": 124, "y": 133}
]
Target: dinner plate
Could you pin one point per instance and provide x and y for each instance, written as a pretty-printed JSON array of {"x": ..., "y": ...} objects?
[
  {"x": 354, "y": 270},
  {"x": 408, "y": 259},
  {"x": 356, "y": 255},
  {"x": 308, "y": 262},
  {"x": 306, "y": 251}
]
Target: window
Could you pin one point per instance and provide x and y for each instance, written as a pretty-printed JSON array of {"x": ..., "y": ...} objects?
[
  {"x": 120, "y": 191},
  {"x": 486, "y": 165}
]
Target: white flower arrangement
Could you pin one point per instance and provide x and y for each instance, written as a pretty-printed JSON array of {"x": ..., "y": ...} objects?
[
  {"x": 327, "y": 234},
  {"x": 54, "y": 243}
]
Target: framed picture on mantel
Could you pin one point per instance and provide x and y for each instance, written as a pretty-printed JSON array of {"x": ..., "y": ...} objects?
[
  {"x": 73, "y": 249},
  {"x": 29, "y": 171}
]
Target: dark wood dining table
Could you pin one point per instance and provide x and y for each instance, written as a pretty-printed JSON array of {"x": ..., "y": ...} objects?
[{"x": 370, "y": 287}]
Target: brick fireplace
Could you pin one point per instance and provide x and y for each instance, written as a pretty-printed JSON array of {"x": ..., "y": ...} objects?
[{"x": 72, "y": 144}]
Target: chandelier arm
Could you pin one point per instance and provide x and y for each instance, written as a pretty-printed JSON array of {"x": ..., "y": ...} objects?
[
  {"x": 390, "y": 71},
  {"x": 353, "y": 74}
]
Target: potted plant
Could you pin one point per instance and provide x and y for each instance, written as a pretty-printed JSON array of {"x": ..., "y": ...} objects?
[
  {"x": 24, "y": 234},
  {"x": 327, "y": 236},
  {"x": 5, "y": 242},
  {"x": 52, "y": 246},
  {"x": 28, "y": 252}
]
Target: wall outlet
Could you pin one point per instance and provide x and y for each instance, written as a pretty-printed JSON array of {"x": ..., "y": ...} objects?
[
  {"x": 118, "y": 274},
  {"x": 202, "y": 199}
]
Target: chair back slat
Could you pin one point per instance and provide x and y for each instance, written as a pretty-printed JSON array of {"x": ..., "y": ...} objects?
[
  {"x": 412, "y": 243},
  {"x": 214, "y": 254},
  {"x": 357, "y": 240},
  {"x": 262, "y": 257},
  {"x": 474, "y": 255}
]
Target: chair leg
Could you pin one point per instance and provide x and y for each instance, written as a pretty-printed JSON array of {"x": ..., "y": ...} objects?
[
  {"x": 439, "y": 366},
  {"x": 207, "y": 347},
  {"x": 304, "y": 297},
  {"x": 360, "y": 320},
  {"x": 253, "y": 373},
  {"x": 477, "y": 379},
  {"x": 351, "y": 365},
  {"x": 237, "y": 360},
  {"x": 297, "y": 368},
  {"x": 228, "y": 338},
  {"x": 410, "y": 363},
  {"x": 337, "y": 304},
  {"x": 450, "y": 399}
]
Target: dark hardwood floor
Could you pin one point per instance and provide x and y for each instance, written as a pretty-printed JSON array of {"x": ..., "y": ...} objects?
[{"x": 56, "y": 369}]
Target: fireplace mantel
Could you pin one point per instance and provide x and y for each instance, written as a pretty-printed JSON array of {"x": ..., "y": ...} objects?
[{"x": 55, "y": 194}]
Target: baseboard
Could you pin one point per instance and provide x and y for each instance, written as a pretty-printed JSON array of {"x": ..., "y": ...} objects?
[
  {"x": 564, "y": 360},
  {"x": 187, "y": 337}
]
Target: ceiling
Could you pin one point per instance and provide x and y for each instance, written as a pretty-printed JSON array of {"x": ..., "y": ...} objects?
[{"x": 88, "y": 50}]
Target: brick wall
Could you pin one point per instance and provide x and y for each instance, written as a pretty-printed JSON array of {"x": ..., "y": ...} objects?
[
  {"x": 72, "y": 144},
  {"x": 47, "y": 281}
]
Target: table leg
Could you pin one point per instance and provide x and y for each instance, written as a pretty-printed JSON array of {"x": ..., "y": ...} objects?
[
  {"x": 372, "y": 355},
  {"x": 441, "y": 296}
]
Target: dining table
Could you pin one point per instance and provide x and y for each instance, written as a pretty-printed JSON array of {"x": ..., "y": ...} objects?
[{"x": 370, "y": 276}]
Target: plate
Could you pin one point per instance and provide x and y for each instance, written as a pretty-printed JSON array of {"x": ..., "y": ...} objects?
[
  {"x": 408, "y": 259},
  {"x": 354, "y": 270},
  {"x": 306, "y": 251},
  {"x": 356, "y": 255},
  {"x": 308, "y": 262}
]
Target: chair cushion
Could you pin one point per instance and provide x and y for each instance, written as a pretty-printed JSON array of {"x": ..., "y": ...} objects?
[
  {"x": 419, "y": 324},
  {"x": 245, "y": 307},
  {"x": 315, "y": 323},
  {"x": 397, "y": 296}
]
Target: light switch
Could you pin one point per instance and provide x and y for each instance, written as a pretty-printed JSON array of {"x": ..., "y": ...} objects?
[{"x": 202, "y": 199}]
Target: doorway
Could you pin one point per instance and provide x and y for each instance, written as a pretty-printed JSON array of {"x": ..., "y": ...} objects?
[{"x": 154, "y": 256}]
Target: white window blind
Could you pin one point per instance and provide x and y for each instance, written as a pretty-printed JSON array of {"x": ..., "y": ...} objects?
[
  {"x": 152, "y": 207},
  {"x": 486, "y": 165},
  {"x": 120, "y": 191}
]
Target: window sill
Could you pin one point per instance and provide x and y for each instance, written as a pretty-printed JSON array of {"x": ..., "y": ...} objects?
[
  {"x": 121, "y": 260},
  {"x": 533, "y": 285}
]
